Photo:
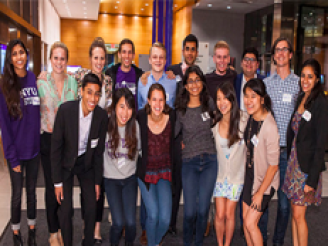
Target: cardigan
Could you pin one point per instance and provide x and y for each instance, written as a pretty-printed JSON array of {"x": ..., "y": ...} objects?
[
  {"x": 142, "y": 118},
  {"x": 311, "y": 139},
  {"x": 232, "y": 169},
  {"x": 266, "y": 153}
]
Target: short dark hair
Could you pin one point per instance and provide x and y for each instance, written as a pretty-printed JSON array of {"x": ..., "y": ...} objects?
[
  {"x": 126, "y": 41},
  {"x": 190, "y": 38},
  {"x": 91, "y": 78},
  {"x": 251, "y": 50},
  {"x": 290, "y": 47}
]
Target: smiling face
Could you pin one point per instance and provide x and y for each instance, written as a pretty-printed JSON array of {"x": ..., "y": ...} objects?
[
  {"x": 97, "y": 60},
  {"x": 223, "y": 104},
  {"x": 156, "y": 102},
  {"x": 58, "y": 60},
  {"x": 194, "y": 85},
  {"x": 190, "y": 53},
  {"x": 249, "y": 64},
  {"x": 126, "y": 55},
  {"x": 282, "y": 54},
  {"x": 90, "y": 94},
  {"x": 253, "y": 102},
  {"x": 18, "y": 58},
  {"x": 123, "y": 112},
  {"x": 157, "y": 59},
  {"x": 221, "y": 58},
  {"x": 308, "y": 80}
]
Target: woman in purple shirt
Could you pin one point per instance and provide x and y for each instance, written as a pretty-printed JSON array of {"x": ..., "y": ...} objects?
[{"x": 20, "y": 126}]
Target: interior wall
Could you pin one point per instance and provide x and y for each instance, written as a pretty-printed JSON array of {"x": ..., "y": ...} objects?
[
  {"x": 79, "y": 34},
  {"x": 212, "y": 26},
  {"x": 180, "y": 29}
]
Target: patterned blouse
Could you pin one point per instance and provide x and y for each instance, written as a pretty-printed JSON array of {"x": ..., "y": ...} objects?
[
  {"x": 50, "y": 101},
  {"x": 107, "y": 83}
]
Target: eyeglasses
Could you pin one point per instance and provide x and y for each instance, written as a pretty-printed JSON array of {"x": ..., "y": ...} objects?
[
  {"x": 249, "y": 59},
  {"x": 190, "y": 81},
  {"x": 284, "y": 50}
]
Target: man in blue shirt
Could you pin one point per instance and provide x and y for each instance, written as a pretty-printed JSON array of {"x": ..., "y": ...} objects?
[
  {"x": 157, "y": 60},
  {"x": 282, "y": 87}
]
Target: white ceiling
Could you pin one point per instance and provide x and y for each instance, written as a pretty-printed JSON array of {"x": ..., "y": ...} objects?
[
  {"x": 236, "y": 6},
  {"x": 77, "y": 9}
]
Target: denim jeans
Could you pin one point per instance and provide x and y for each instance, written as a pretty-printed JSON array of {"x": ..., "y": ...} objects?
[
  {"x": 31, "y": 172},
  {"x": 198, "y": 179},
  {"x": 122, "y": 199},
  {"x": 158, "y": 203},
  {"x": 283, "y": 210},
  {"x": 143, "y": 215}
]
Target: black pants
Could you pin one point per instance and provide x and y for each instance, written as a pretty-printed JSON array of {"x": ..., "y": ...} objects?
[
  {"x": 87, "y": 184},
  {"x": 177, "y": 188},
  {"x": 31, "y": 174},
  {"x": 50, "y": 197},
  {"x": 99, "y": 206}
]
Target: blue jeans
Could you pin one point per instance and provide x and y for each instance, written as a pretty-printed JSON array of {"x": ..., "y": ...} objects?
[
  {"x": 143, "y": 215},
  {"x": 158, "y": 203},
  {"x": 122, "y": 199},
  {"x": 283, "y": 210},
  {"x": 198, "y": 179}
]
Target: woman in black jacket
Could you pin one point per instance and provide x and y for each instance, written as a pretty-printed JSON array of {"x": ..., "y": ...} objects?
[
  {"x": 306, "y": 136},
  {"x": 155, "y": 165}
]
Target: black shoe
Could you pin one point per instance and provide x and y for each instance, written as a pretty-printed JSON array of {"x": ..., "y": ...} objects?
[
  {"x": 18, "y": 239},
  {"x": 98, "y": 241},
  {"x": 173, "y": 231},
  {"x": 31, "y": 237}
]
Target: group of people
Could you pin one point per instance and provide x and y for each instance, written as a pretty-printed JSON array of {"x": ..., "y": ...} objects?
[{"x": 235, "y": 138}]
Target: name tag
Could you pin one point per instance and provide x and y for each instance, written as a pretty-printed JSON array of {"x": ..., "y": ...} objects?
[
  {"x": 133, "y": 89},
  {"x": 205, "y": 116},
  {"x": 255, "y": 140},
  {"x": 167, "y": 97},
  {"x": 306, "y": 115},
  {"x": 94, "y": 143},
  {"x": 287, "y": 97},
  {"x": 121, "y": 163},
  {"x": 178, "y": 78}
]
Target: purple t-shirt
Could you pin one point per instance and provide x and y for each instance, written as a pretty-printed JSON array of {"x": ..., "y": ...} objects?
[
  {"x": 21, "y": 137},
  {"x": 127, "y": 80}
]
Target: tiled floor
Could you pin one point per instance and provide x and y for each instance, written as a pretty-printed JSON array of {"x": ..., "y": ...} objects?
[{"x": 5, "y": 193}]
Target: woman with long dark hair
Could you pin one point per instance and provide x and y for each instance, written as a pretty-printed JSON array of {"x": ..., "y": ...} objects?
[
  {"x": 155, "y": 166},
  {"x": 57, "y": 88},
  {"x": 229, "y": 123},
  {"x": 262, "y": 157},
  {"x": 120, "y": 162},
  {"x": 306, "y": 138},
  {"x": 20, "y": 127},
  {"x": 199, "y": 161}
]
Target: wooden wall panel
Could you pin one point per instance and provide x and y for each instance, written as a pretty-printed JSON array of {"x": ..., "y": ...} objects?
[
  {"x": 181, "y": 28},
  {"x": 79, "y": 34}
]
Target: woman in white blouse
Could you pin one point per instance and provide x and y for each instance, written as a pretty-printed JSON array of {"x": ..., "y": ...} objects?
[{"x": 229, "y": 123}]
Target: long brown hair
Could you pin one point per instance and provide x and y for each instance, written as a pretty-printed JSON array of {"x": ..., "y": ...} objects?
[
  {"x": 229, "y": 92},
  {"x": 10, "y": 84},
  {"x": 158, "y": 87},
  {"x": 131, "y": 141}
]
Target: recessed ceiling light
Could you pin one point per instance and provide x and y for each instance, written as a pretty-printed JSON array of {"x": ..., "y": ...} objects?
[
  {"x": 146, "y": 4},
  {"x": 117, "y": 1},
  {"x": 197, "y": 4},
  {"x": 85, "y": 17},
  {"x": 136, "y": 17},
  {"x": 142, "y": 9},
  {"x": 209, "y": 5},
  {"x": 120, "y": 16},
  {"x": 85, "y": 13},
  {"x": 115, "y": 7},
  {"x": 228, "y": 7},
  {"x": 83, "y": 2},
  {"x": 175, "y": 5}
]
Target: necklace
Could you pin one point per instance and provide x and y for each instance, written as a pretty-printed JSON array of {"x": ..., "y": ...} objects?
[{"x": 250, "y": 161}]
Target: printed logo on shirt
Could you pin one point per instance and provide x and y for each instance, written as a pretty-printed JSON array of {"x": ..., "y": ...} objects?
[
  {"x": 118, "y": 154},
  {"x": 125, "y": 84},
  {"x": 30, "y": 95}
]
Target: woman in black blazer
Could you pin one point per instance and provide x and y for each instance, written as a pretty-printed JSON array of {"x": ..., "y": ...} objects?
[
  {"x": 155, "y": 165},
  {"x": 306, "y": 136}
]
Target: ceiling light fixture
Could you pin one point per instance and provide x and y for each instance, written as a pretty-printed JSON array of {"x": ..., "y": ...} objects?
[
  {"x": 117, "y": 1},
  {"x": 146, "y": 4},
  {"x": 83, "y": 2},
  {"x": 209, "y": 5},
  {"x": 197, "y": 4},
  {"x": 142, "y": 9},
  {"x": 228, "y": 7},
  {"x": 115, "y": 7},
  {"x": 175, "y": 5}
]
